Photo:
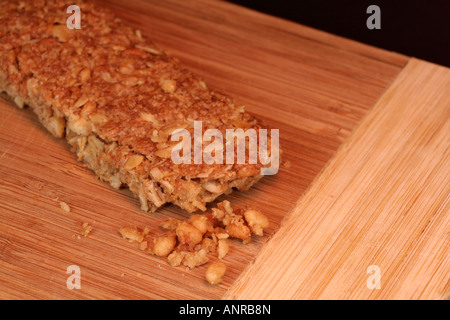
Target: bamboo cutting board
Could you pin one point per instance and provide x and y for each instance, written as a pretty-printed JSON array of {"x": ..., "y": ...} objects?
[{"x": 364, "y": 178}]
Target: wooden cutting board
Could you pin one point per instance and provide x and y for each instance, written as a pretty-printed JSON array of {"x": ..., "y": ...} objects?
[{"x": 362, "y": 193}]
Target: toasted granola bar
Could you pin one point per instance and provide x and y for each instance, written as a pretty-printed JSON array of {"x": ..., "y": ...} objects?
[{"x": 116, "y": 98}]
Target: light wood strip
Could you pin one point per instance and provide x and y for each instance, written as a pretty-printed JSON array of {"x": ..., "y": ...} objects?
[{"x": 383, "y": 200}]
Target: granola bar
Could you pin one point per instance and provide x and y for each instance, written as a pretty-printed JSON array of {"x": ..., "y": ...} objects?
[{"x": 116, "y": 98}]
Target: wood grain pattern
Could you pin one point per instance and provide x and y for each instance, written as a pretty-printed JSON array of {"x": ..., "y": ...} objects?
[
  {"x": 313, "y": 86},
  {"x": 383, "y": 200}
]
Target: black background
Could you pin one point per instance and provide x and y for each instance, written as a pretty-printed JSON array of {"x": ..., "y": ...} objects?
[{"x": 416, "y": 28}]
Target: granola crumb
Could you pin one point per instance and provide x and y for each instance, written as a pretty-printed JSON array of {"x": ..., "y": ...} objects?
[
  {"x": 132, "y": 234},
  {"x": 143, "y": 245},
  {"x": 163, "y": 245},
  {"x": 188, "y": 259},
  {"x": 64, "y": 206},
  {"x": 222, "y": 248},
  {"x": 87, "y": 228},
  {"x": 256, "y": 220},
  {"x": 287, "y": 164},
  {"x": 215, "y": 272}
]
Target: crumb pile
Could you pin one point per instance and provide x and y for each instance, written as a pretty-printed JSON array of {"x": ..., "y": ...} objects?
[{"x": 191, "y": 243}]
